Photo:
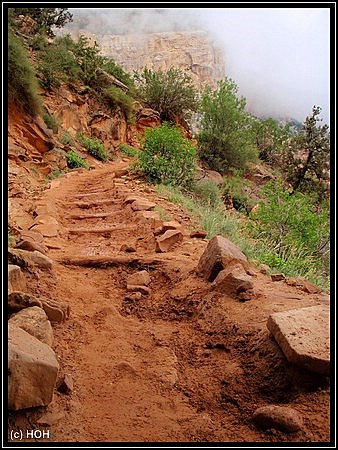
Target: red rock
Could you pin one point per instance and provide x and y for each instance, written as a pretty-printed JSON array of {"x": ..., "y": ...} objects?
[
  {"x": 165, "y": 242},
  {"x": 281, "y": 418},
  {"x": 139, "y": 278},
  {"x": 303, "y": 334},
  {"x": 199, "y": 234},
  {"x": 277, "y": 277},
  {"x": 219, "y": 253}
]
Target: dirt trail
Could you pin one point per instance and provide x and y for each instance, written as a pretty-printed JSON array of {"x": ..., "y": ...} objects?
[{"x": 170, "y": 367}]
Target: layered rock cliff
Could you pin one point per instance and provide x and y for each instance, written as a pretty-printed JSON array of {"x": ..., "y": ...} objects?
[{"x": 192, "y": 51}]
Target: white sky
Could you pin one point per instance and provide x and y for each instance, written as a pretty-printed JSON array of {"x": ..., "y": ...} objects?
[{"x": 278, "y": 57}]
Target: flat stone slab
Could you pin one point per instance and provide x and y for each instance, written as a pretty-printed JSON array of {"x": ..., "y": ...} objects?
[{"x": 304, "y": 336}]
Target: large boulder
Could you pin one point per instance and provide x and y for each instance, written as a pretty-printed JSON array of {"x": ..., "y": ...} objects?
[
  {"x": 304, "y": 336},
  {"x": 32, "y": 370},
  {"x": 218, "y": 255},
  {"x": 35, "y": 321}
]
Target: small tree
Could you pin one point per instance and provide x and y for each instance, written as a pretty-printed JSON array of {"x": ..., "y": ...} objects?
[
  {"x": 306, "y": 157},
  {"x": 226, "y": 138},
  {"x": 170, "y": 93}
]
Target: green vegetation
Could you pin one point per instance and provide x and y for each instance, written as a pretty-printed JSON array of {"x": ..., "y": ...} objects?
[
  {"x": 167, "y": 157},
  {"x": 128, "y": 150},
  {"x": 117, "y": 97},
  {"x": 234, "y": 189},
  {"x": 54, "y": 174},
  {"x": 52, "y": 122},
  {"x": 94, "y": 147},
  {"x": 44, "y": 18},
  {"x": 170, "y": 93},
  {"x": 226, "y": 137},
  {"x": 292, "y": 233},
  {"x": 74, "y": 160},
  {"x": 67, "y": 139},
  {"x": 269, "y": 139},
  {"x": 307, "y": 157},
  {"x": 22, "y": 81}
]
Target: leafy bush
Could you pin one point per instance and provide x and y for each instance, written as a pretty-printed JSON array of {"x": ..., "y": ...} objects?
[
  {"x": 167, "y": 157},
  {"x": 170, "y": 93},
  {"x": 74, "y": 160},
  {"x": 291, "y": 232},
  {"x": 206, "y": 193},
  {"x": 111, "y": 67},
  {"x": 226, "y": 138},
  {"x": 57, "y": 64},
  {"x": 52, "y": 122},
  {"x": 22, "y": 81},
  {"x": 234, "y": 188},
  {"x": 120, "y": 98},
  {"x": 94, "y": 147},
  {"x": 67, "y": 139}
]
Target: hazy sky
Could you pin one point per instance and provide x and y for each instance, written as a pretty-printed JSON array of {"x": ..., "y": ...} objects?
[{"x": 278, "y": 57}]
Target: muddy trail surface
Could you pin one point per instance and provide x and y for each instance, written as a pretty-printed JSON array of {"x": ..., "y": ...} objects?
[{"x": 172, "y": 364}]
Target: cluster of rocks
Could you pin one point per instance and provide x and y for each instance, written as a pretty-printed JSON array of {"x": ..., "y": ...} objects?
[
  {"x": 32, "y": 364},
  {"x": 167, "y": 234}
]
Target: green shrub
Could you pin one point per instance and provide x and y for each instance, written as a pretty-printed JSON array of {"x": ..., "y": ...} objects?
[
  {"x": 128, "y": 150},
  {"x": 67, "y": 139},
  {"x": 22, "y": 82},
  {"x": 94, "y": 147},
  {"x": 52, "y": 122},
  {"x": 167, "y": 157},
  {"x": 117, "y": 97},
  {"x": 206, "y": 192},
  {"x": 291, "y": 231},
  {"x": 74, "y": 160},
  {"x": 111, "y": 67},
  {"x": 56, "y": 65},
  {"x": 234, "y": 187}
]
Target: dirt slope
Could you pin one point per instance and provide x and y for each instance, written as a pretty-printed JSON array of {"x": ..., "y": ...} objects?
[{"x": 176, "y": 365}]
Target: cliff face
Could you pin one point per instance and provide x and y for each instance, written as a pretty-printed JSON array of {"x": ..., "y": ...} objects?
[{"x": 194, "y": 52}]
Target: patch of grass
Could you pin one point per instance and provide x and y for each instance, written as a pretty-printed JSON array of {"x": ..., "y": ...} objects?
[
  {"x": 164, "y": 215},
  {"x": 117, "y": 97}
]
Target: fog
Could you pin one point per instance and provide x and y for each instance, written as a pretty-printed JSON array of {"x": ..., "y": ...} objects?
[{"x": 278, "y": 57}]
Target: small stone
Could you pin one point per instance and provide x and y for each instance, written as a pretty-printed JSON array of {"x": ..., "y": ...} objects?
[
  {"x": 139, "y": 278},
  {"x": 16, "y": 279},
  {"x": 281, "y": 418},
  {"x": 278, "y": 277},
  {"x": 41, "y": 260},
  {"x": 32, "y": 246},
  {"x": 143, "y": 289},
  {"x": 135, "y": 296},
  {"x": 128, "y": 248},
  {"x": 34, "y": 321},
  {"x": 200, "y": 234},
  {"x": 65, "y": 385},
  {"x": 165, "y": 242},
  {"x": 142, "y": 205},
  {"x": 264, "y": 269}
]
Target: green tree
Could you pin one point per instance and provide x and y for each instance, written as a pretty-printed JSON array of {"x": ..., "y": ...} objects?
[
  {"x": 45, "y": 18},
  {"x": 226, "y": 138},
  {"x": 170, "y": 93},
  {"x": 306, "y": 158},
  {"x": 269, "y": 139}
]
